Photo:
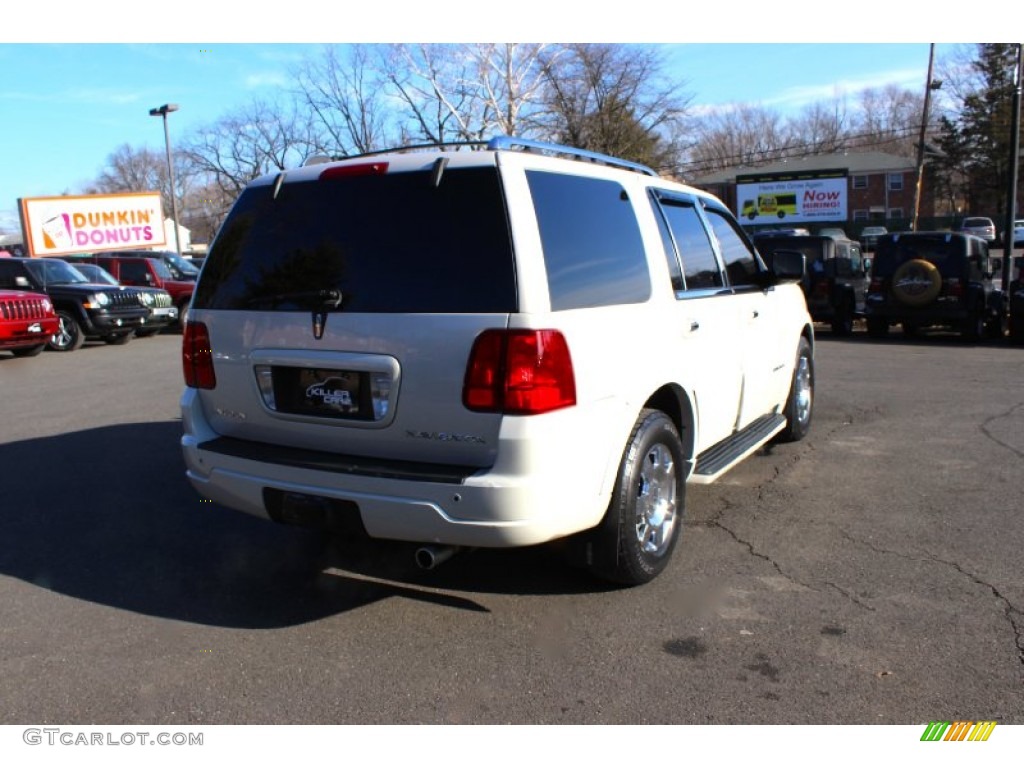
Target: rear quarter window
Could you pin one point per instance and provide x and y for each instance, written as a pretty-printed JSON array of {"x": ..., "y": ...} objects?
[{"x": 593, "y": 251}]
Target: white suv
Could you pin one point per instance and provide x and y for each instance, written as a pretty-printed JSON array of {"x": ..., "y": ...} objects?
[{"x": 488, "y": 348}]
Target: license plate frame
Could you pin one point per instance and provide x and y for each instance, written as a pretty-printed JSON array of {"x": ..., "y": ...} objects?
[{"x": 325, "y": 392}]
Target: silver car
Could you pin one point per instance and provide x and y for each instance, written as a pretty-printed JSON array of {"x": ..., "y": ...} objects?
[{"x": 981, "y": 226}]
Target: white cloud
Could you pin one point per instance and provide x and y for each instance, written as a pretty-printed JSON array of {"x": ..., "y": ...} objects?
[{"x": 264, "y": 79}]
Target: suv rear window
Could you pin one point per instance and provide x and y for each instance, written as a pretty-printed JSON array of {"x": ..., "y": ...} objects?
[
  {"x": 947, "y": 252},
  {"x": 389, "y": 243}
]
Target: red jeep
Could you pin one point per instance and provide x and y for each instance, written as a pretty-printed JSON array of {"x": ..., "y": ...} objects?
[{"x": 27, "y": 321}]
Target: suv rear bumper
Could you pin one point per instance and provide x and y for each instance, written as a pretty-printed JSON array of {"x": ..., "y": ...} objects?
[
  {"x": 518, "y": 503},
  {"x": 938, "y": 313}
]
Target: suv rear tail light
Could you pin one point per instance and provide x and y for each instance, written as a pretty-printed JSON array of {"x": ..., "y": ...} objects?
[
  {"x": 953, "y": 287},
  {"x": 197, "y": 357},
  {"x": 876, "y": 285},
  {"x": 519, "y": 372}
]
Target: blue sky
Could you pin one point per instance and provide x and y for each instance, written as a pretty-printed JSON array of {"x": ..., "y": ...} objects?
[{"x": 65, "y": 107}]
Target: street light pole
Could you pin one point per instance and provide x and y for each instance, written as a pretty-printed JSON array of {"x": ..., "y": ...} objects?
[{"x": 162, "y": 112}]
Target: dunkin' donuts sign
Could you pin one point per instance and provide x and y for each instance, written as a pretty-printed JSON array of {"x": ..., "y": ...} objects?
[{"x": 56, "y": 226}]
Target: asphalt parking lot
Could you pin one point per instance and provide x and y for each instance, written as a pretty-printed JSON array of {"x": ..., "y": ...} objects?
[{"x": 869, "y": 574}]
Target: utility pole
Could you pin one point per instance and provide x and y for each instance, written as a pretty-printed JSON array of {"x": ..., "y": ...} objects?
[
  {"x": 1011, "y": 192},
  {"x": 929, "y": 86}
]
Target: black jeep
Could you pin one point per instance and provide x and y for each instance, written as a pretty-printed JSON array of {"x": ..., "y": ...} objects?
[
  {"x": 934, "y": 279},
  {"x": 85, "y": 310},
  {"x": 836, "y": 281}
]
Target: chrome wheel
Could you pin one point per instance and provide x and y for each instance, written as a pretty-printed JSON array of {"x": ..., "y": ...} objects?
[
  {"x": 656, "y": 501},
  {"x": 803, "y": 390},
  {"x": 69, "y": 334},
  {"x": 635, "y": 540},
  {"x": 800, "y": 402}
]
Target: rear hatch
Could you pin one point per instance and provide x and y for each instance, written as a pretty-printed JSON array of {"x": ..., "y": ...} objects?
[
  {"x": 342, "y": 307},
  {"x": 946, "y": 252}
]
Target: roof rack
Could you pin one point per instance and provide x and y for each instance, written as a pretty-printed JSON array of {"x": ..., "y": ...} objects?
[
  {"x": 503, "y": 143},
  {"x": 529, "y": 145},
  {"x": 319, "y": 159}
]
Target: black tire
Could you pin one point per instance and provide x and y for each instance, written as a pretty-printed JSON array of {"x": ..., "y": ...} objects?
[
  {"x": 878, "y": 328},
  {"x": 145, "y": 334},
  {"x": 973, "y": 328},
  {"x": 118, "y": 339},
  {"x": 645, "y": 516},
  {"x": 995, "y": 326},
  {"x": 29, "y": 351},
  {"x": 800, "y": 403},
  {"x": 1017, "y": 328},
  {"x": 842, "y": 321},
  {"x": 69, "y": 335},
  {"x": 183, "y": 313}
]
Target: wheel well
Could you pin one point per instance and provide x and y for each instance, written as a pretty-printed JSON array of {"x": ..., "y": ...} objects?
[
  {"x": 72, "y": 308},
  {"x": 674, "y": 403}
]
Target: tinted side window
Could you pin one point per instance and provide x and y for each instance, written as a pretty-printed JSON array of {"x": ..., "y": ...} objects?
[
  {"x": 740, "y": 262},
  {"x": 593, "y": 251},
  {"x": 700, "y": 267},
  {"x": 8, "y": 271},
  {"x": 856, "y": 260},
  {"x": 843, "y": 268},
  {"x": 675, "y": 269},
  {"x": 133, "y": 272}
]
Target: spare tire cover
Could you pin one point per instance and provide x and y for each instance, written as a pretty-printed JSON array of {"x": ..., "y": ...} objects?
[{"x": 916, "y": 283}]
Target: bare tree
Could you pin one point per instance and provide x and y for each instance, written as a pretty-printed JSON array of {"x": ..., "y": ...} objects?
[
  {"x": 140, "y": 169},
  {"x": 510, "y": 80},
  {"x": 820, "y": 128},
  {"x": 344, "y": 89},
  {"x": 250, "y": 141},
  {"x": 430, "y": 83},
  {"x": 888, "y": 120},
  {"x": 743, "y": 135},
  {"x": 465, "y": 92},
  {"x": 614, "y": 99}
]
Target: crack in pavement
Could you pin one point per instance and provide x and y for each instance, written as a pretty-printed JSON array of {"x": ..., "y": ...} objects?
[
  {"x": 984, "y": 430},
  {"x": 726, "y": 505},
  {"x": 1013, "y": 614}
]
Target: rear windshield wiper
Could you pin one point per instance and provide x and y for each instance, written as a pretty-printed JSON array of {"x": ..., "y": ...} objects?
[{"x": 325, "y": 299}]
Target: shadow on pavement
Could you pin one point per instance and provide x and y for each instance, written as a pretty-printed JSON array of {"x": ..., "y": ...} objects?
[{"x": 106, "y": 515}]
